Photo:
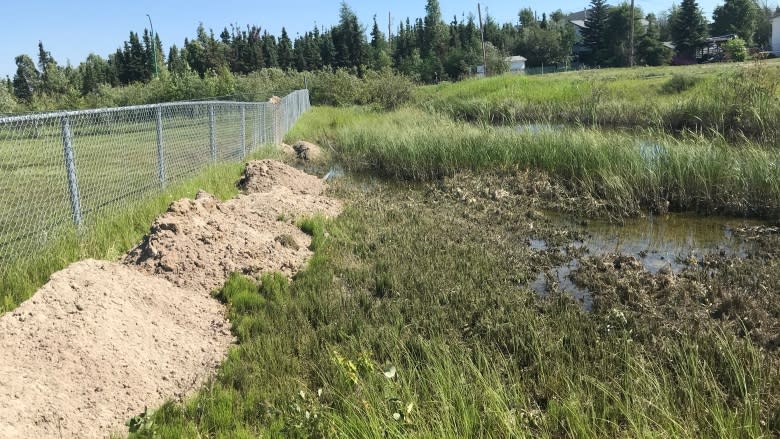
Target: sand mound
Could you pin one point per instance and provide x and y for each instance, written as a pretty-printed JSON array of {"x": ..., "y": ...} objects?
[
  {"x": 101, "y": 341},
  {"x": 98, "y": 343},
  {"x": 198, "y": 243},
  {"x": 264, "y": 175}
]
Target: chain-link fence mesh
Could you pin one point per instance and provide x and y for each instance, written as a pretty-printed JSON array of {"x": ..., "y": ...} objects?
[{"x": 60, "y": 171}]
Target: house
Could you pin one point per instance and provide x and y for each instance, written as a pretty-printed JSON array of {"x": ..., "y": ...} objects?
[
  {"x": 516, "y": 64},
  {"x": 776, "y": 35},
  {"x": 712, "y": 49}
]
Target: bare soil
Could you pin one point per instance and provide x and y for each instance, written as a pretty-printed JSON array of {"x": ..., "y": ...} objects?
[
  {"x": 198, "y": 243},
  {"x": 102, "y": 340},
  {"x": 97, "y": 344}
]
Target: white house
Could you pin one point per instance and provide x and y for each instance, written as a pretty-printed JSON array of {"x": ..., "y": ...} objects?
[
  {"x": 516, "y": 63},
  {"x": 776, "y": 34}
]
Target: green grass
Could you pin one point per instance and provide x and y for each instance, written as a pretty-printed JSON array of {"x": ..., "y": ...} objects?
[
  {"x": 112, "y": 232},
  {"x": 412, "y": 320},
  {"x": 629, "y": 171},
  {"x": 731, "y": 100}
]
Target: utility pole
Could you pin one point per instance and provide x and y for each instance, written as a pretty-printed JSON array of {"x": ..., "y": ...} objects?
[
  {"x": 154, "y": 48},
  {"x": 482, "y": 32},
  {"x": 389, "y": 28},
  {"x": 631, "y": 49}
]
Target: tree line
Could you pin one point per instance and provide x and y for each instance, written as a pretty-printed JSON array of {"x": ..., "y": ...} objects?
[{"x": 426, "y": 49}]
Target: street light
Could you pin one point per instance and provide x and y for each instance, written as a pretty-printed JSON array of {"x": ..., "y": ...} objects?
[{"x": 154, "y": 48}]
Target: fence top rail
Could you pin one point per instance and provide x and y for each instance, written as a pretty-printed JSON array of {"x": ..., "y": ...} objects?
[{"x": 68, "y": 113}]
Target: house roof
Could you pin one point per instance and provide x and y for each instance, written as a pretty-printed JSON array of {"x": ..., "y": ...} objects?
[
  {"x": 721, "y": 38},
  {"x": 578, "y": 16},
  {"x": 515, "y": 58},
  {"x": 581, "y": 23}
]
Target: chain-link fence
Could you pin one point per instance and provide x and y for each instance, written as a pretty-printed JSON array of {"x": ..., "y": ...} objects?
[{"x": 59, "y": 171}]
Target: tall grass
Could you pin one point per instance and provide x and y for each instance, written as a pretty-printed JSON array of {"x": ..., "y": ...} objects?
[
  {"x": 409, "y": 323},
  {"x": 649, "y": 169},
  {"x": 112, "y": 234},
  {"x": 729, "y": 101}
]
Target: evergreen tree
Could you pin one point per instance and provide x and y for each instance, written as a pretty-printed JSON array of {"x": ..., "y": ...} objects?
[
  {"x": 311, "y": 50},
  {"x": 689, "y": 29},
  {"x": 135, "y": 59},
  {"x": 285, "y": 51},
  {"x": 26, "y": 79},
  {"x": 434, "y": 31},
  {"x": 269, "y": 49},
  {"x": 349, "y": 40},
  {"x": 595, "y": 32},
  {"x": 736, "y": 17},
  {"x": 177, "y": 62},
  {"x": 327, "y": 50},
  {"x": 379, "y": 58},
  {"x": 617, "y": 35},
  {"x": 298, "y": 55},
  {"x": 650, "y": 50}
]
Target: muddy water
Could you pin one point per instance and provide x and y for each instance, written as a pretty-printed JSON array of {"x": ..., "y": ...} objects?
[{"x": 660, "y": 243}]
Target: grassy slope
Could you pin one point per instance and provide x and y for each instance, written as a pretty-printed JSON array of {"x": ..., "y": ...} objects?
[
  {"x": 111, "y": 233},
  {"x": 628, "y": 171},
  {"x": 728, "y": 99},
  {"x": 411, "y": 321}
]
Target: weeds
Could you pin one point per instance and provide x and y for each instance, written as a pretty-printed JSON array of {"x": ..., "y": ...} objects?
[
  {"x": 679, "y": 83},
  {"x": 630, "y": 173}
]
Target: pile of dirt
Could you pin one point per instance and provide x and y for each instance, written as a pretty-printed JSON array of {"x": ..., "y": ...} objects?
[
  {"x": 307, "y": 151},
  {"x": 302, "y": 150},
  {"x": 98, "y": 343},
  {"x": 265, "y": 175},
  {"x": 198, "y": 243},
  {"x": 102, "y": 341}
]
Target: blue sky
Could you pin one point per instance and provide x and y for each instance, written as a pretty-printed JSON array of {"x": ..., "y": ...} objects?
[{"x": 72, "y": 29}]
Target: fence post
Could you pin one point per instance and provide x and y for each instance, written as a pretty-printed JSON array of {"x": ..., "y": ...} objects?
[
  {"x": 212, "y": 133},
  {"x": 160, "y": 151},
  {"x": 255, "y": 128},
  {"x": 243, "y": 131},
  {"x": 70, "y": 167}
]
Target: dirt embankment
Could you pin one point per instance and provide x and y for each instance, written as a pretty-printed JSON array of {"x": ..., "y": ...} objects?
[{"x": 102, "y": 340}]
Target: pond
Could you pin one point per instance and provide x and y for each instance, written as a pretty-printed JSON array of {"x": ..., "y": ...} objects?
[{"x": 668, "y": 243}]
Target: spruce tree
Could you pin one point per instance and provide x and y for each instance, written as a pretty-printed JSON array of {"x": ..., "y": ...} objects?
[
  {"x": 650, "y": 50},
  {"x": 285, "y": 51},
  {"x": 595, "y": 32},
  {"x": 689, "y": 29},
  {"x": 26, "y": 79}
]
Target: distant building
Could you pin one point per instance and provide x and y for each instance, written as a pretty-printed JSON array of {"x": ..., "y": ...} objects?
[
  {"x": 776, "y": 35},
  {"x": 516, "y": 64}
]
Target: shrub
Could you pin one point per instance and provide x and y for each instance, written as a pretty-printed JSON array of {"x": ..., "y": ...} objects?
[
  {"x": 679, "y": 83},
  {"x": 386, "y": 89},
  {"x": 735, "y": 49}
]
